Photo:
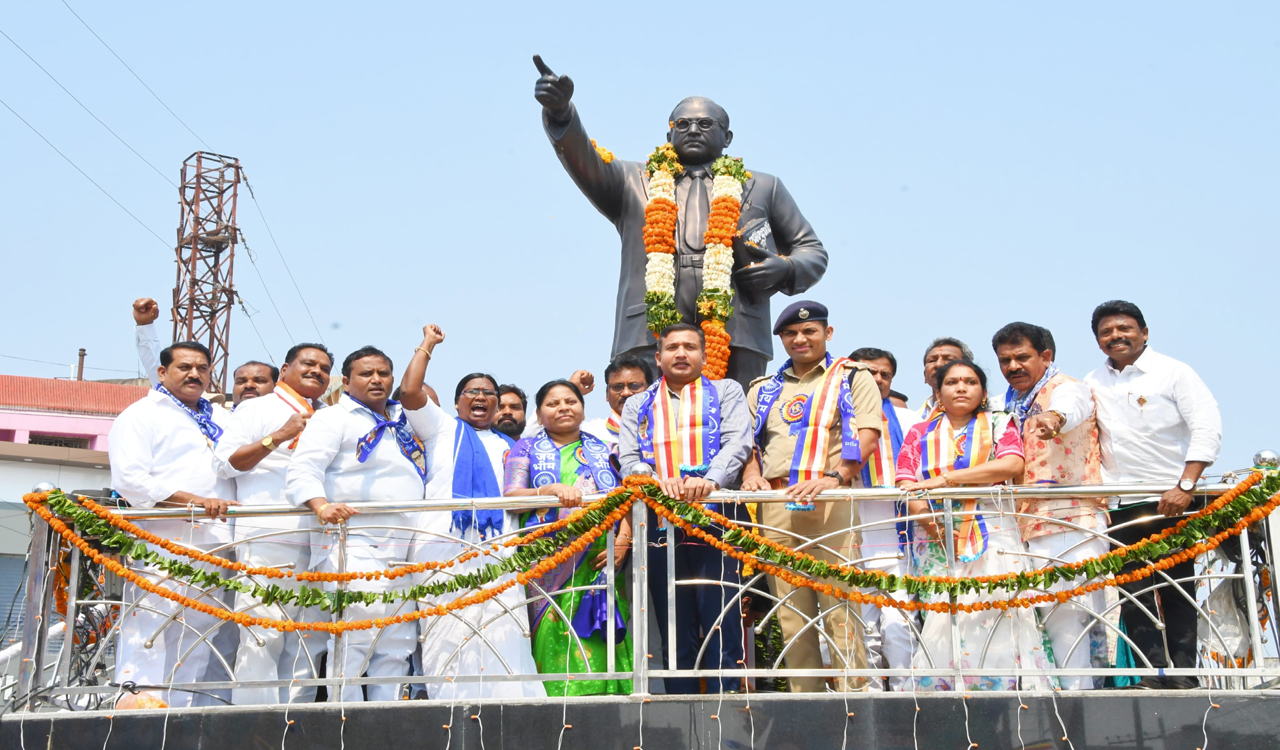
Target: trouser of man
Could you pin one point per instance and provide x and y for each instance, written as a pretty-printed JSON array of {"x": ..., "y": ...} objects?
[
  {"x": 888, "y": 633},
  {"x": 386, "y": 650},
  {"x": 1066, "y": 621},
  {"x": 802, "y": 606},
  {"x": 745, "y": 365},
  {"x": 156, "y": 647},
  {"x": 709, "y": 612},
  {"x": 267, "y": 653},
  {"x": 1177, "y": 611}
]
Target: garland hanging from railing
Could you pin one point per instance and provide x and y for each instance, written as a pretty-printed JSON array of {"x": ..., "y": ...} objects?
[{"x": 547, "y": 547}]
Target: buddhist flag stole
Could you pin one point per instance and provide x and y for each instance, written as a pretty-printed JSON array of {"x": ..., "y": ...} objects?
[
  {"x": 943, "y": 449},
  {"x": 680, "y": 439},
  {"x": 881, "y": 469}
]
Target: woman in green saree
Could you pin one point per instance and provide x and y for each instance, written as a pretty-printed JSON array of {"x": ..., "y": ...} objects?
[{"x": 564, "y": 463}]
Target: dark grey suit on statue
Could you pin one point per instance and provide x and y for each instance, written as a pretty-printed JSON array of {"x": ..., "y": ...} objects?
[{"x": 770, "y": 219}]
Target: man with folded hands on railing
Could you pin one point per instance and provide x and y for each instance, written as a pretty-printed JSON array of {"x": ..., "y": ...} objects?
[
  {"x": 884, "y": 544},
  {"x": 817, "y": 419},
  {"x": 255, "y": 452},
  {"x": 1055, "y": 415},
  {"x": 162, "y": 457},
  {"x": 693, "y": 434},
  {"x": 466, "y": 456},
  {"x": 360, "y": 450},
  {"x": 1157, "y": 422}
]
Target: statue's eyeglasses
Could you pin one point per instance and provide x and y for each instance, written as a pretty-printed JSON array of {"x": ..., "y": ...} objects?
[{"x": 703, "y": 123}]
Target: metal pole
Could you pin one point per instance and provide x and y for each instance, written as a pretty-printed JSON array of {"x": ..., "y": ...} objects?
[
  {"x": 610, "y": 632},
  {"x": 949, "y": 543},
  {"x": 80, "y": 366},
  {"x": 341, "y": 666},
  {"x": 69, "y": 638},
  {"x": 639, "y": 595},
  {"x": 670, "y": 552},
  {"x": 35, "y": 627},
  {"x": 1251, "y": 596}
]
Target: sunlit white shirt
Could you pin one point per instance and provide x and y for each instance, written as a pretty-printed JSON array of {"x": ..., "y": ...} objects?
[
  {"x": 325, "y": 465},
  {"x": 264, "y": 484},
  {"x": 157, "y": 449},
  {"x": 1153, "y": 417},
  {"x": 148, "y": 340}
]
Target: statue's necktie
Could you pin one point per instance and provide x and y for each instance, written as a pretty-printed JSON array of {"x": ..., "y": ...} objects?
[{"x": 696, "y": 208}]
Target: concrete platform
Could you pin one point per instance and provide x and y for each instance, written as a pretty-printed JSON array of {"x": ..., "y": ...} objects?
[{"x": 1157, "y": 720}]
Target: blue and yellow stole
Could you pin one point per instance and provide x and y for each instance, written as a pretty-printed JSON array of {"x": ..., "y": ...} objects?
[
  {"x": 593, "y": 458},
  {"x": 942, "y": 450},
  {"x": 811, "y": 419}
]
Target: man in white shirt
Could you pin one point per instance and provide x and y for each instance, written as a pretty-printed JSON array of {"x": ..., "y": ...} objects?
[
  {"x": 1157, "y": 422},
  {"x": 162, "y": 456},
  {"x": 884, "y": 547},
  {"x": 943, "y": 350},
  {"x": 361, "y": 450},
  {"x": 625, "y": 376},
  {"x": 255, "y": 451},
  {"x": 466, "y": 462},
  {"x": 249, "y": 380},
  {"x": 1055, "y": 414}
]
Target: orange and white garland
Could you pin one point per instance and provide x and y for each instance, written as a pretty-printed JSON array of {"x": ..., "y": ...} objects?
[{"x": 660, "y": 213}]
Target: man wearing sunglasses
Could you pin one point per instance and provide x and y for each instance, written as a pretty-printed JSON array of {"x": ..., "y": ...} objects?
[
  {"x": 624, "y": 377},
  {"x": 776, "y": 250}
]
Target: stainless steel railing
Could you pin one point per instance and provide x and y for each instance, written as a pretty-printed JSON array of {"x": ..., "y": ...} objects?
[{"x": 80, "y": 673}]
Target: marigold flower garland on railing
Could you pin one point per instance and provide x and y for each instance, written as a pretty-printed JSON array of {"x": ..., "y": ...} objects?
[{"x": 530, "y": 562}]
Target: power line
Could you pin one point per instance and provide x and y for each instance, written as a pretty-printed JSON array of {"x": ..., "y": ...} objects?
[
  {"x": 86, "y": 109},
  {"x": 272, "y": 235},
  {"x": 61, "y": 364},
  {"x": 81, "y": 171},
  {"x": 254, "y": 326},
  {"x": 135, "y": 75},
  {"x": 254, "y": 262}
]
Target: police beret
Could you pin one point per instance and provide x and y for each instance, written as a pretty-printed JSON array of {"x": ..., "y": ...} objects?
[{"x": 799, "y": 312}]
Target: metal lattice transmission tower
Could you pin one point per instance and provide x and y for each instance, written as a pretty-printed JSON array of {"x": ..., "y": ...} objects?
[{"x": 207, "y": 236}]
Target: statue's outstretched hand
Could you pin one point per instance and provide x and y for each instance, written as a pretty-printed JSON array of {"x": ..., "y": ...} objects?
[
  {"x": 552, "y": 91},
  {"x": 764, "y": 272}
]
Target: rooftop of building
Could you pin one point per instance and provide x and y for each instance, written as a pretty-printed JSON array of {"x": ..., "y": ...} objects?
[{"x": 67, "y": 396}]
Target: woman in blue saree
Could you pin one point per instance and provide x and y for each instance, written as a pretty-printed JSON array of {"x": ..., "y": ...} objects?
[{"x": 569, "y": 629}]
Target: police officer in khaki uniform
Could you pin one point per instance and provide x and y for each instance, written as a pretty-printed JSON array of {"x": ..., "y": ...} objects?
[{"x": 779, "y": 421}]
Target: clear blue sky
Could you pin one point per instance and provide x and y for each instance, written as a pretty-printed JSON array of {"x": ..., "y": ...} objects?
[{"x": 966, "y": 165}]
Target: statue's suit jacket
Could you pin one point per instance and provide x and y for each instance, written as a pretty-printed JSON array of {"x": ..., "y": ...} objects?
[{"x": 770, "y": 219}]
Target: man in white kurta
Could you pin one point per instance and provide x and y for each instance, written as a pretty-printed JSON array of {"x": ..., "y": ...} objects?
[
  {"x": 327, "y": 473},
  {"x": 256, "y": 451},
  {"x": 162, "y": 455},
  {"x": 485, "y": 639}
]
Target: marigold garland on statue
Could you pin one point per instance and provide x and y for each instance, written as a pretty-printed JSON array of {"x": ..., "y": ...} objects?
[{"x": 714, "y": 303}]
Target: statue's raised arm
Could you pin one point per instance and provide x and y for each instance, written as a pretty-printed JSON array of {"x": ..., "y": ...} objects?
[{"x": 665, "y": 212}]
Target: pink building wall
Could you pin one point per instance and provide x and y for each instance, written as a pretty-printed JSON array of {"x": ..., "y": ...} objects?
[{"x": 17, "y": 426}]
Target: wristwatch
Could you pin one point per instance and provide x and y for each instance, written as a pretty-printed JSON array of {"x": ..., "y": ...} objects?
[
  {"x": 269, "y": 443},
  {"x": 836, "y": 476},
  {"x": 1186, "y": 485}
]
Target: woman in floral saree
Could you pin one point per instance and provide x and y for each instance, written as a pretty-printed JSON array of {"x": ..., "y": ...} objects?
[
  {"x": 968, "y": 445},
  {"x": 570, "y": 629}
]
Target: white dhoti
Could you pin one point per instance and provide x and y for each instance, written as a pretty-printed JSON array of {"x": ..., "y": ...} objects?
[
  {"x": 483, "y": 640},
  {"x": 1070, "y": 625}
]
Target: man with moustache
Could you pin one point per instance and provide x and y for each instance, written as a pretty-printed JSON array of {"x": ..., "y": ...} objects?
[
  {"x": 1157, "y": 422},
  {"x": 511, "y": 418},
  {"x": 1055, "y": 415},
  {"x": 255, "y": 452},
  {"x": 249, "y": 380},
  {"x": 362, "y": 450},
  {"x": 162, "y": 455},
  {"x": 625, "y": 376},
  {"x": 775, "y": 250},
  {"x": 693, "y": 434},
  {"x": 943, "y": 350},
  {"x": 467, "y": 456},
  {"x": 805, "y": 446}
]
